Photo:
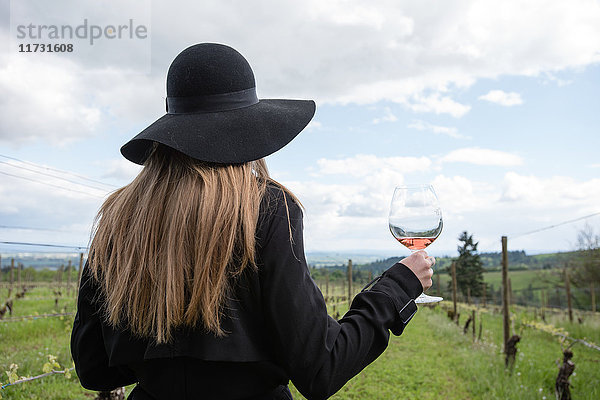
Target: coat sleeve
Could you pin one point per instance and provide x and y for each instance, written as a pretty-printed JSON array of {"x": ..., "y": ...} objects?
[
  {"x": 87, "y": 342},
  {"x": 320, "y": 354}
]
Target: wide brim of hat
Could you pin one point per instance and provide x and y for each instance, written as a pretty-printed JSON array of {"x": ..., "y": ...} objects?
[{"x": 229, "y": 137}]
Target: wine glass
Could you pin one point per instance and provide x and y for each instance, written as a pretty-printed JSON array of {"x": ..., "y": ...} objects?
[{"x": 416, "y": 221}]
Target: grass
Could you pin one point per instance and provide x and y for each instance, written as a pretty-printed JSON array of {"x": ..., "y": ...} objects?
[
  {"x": 28, "y": 343},
  {"x": 526, "y": 287},
  {"x": 433, "y": 359},
  {"x": 519, "y": 279}
]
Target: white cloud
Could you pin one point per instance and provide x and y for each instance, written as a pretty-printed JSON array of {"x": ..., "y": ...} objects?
[
  {"x": 121, "y": 169},
  {"x": 364, "y": 188},
  {"x": 59, "y": 102},
  {"x": 388, "y": 117},
  {"x": 353, "y": 51},
  {"x": 503, "y": 98},
  {"x": 47, "y": 202},
  {"x": 366, "y": 164},
  {"x": 354, "y": 213},
  {"x": 402, "y": 49},
  {"x": 558, "y": 191},
  {"x": 437, "y": 129},
  {"x": 549, "y": 76},
  {"x": 44, "y": 101},
  {"x": 459, "y": 193},
  {"x": 439, "y": 105},
  {"x": 478, "y": 156},
  {"x": 355, "y": 14},
  {"x": 69, "y": 185},
  {"x": 314, "y": 125}
]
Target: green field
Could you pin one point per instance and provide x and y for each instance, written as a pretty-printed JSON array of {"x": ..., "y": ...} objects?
[
  {"x": 519, "y": 279},
  {"x": 527, "y": 288},
  {"x": 28, "y": 344},
  {"x": 433, "y": 359}
]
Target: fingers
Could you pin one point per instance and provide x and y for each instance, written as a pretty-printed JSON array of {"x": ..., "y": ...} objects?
[
  {"x": 427, "y": 257},
  {"x": 431, "y": 259},
  {"x": 427, "y": 284},
  {"x": 421, "y": 253},
  {"x": 420, "y": 263},
  {"x": 427, "y": 281}
]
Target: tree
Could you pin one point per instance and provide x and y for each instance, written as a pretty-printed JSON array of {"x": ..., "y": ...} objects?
[
  {"x": 469, "y": 268},
  {"x": 586, "y": 268}
]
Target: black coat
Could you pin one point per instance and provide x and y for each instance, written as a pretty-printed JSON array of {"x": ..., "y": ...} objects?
[{"x": 278, "y": 330}]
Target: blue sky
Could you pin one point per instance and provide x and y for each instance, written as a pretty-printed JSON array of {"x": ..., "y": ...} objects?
[{"x": 495, "y": 104}]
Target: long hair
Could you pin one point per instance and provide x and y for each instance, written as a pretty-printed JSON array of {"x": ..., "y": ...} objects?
[{"x": 167, "y": 246}]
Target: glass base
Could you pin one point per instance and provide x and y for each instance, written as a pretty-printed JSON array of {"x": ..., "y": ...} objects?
[{"x": 425, "y": 298}]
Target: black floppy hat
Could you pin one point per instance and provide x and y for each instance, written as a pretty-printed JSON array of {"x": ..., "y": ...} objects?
[{"x": 213, "y": 112}]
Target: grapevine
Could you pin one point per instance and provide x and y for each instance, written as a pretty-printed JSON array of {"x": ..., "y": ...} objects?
[{"x": 51, "y": 367}]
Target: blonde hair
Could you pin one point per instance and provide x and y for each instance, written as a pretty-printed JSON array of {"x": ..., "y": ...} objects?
[{"x": 167, "y": 246}]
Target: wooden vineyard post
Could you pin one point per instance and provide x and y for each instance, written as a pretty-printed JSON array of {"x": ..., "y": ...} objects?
[
  {"x": 473, "y": 327},
  {"x": 593, "y": 294},
  {"x": 568, "y": 287},
  {"x": 59, "y": 274},
  {"x": 69, "y": 268},
  {"x": 484, "y": 285},
  {"x": 506, "y": 318},
  {"x": 543, "y": 301},
  {"x": 79, "y": 272},
  {"x": 454, "y": 291},
  {"x": 349, "y": 282},
  {"x": 509, "y": 297},
  {"x": 12, "y": 276},
  {"x": 19, "y": 269}
]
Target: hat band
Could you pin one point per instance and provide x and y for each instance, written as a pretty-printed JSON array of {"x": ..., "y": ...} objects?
[{"x": 211, "y": 102}]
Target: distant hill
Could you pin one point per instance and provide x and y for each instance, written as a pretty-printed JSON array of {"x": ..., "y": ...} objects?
[
  {"x": 40, "y": 260},
  {"x": 517, "y": 260},
  {"x": 321, "y": 259},
  {"x": 332, "y": 261}
]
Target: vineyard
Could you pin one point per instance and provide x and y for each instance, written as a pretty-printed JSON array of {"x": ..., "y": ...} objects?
[{"x": 440, "y": 354}]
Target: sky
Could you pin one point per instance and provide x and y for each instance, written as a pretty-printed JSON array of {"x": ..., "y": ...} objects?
[{"x": 494, "y": 103}]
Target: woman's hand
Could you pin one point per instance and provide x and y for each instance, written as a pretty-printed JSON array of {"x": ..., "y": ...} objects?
[{"x": 420, "y": 264}]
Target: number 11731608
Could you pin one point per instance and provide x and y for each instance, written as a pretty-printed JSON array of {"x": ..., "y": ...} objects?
[{"x": 46, "y": 48}]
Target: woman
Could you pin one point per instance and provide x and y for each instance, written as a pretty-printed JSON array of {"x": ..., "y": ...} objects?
[{"x": 196, "y": 285}]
